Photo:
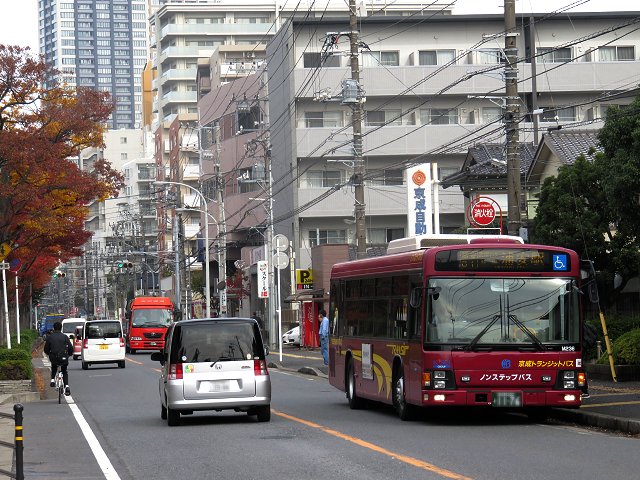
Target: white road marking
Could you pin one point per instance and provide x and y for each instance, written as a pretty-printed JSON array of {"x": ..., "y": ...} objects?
[{"x": 101, "y": 457}]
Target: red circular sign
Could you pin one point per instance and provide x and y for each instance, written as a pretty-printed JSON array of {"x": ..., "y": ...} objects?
[{"x": 483, "y": 213}]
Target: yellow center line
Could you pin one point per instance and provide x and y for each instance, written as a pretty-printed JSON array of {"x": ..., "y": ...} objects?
[
  {"x": 403, "y": 458},
  {"x": 292, "y": 355},
  {"x": 134, "y": 361},
  {"x": 612, "y": 404}
]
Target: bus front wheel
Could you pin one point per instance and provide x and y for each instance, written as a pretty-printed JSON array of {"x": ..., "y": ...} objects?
[
  {"x": 405, "y": 410},
  {"x": 354, "y": 400}
]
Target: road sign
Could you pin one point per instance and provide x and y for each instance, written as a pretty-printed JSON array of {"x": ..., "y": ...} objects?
[
  {"x": 483, "y": 213},
  {"x": 281, "y": 260},
  {"x": 4, "y": 265},
  {"x": 15, "y": 264},
  {"x": 280, "y": 243},
  {"x": 5, "y": 249}
]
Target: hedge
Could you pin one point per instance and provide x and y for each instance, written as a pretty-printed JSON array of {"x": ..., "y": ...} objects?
[
  {"x": 626, "y": 349},
  {"x": 15, "y": 364},
  {"x": 16, "y": 370}
]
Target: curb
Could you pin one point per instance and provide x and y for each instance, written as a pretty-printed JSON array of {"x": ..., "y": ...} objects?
[
  {"x": 24, "y": 397},
  {"x": 624, "y": 425},
  {"x": 306, "y": 370}
]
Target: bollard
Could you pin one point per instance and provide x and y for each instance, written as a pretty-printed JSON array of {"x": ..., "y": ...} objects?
[
  {"x": 599, "y": 348},
  {"x": 18, "y": 408}
]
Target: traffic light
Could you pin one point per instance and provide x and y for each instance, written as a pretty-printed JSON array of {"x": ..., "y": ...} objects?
[
  {"x": 124, "y": 264},
  {"x": 58, "y": 274}
]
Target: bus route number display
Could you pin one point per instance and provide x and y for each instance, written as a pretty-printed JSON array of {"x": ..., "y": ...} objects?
[{"x": 502, "y": 260}]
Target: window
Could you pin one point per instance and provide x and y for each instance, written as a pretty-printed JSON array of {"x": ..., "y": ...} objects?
[
  {"x": 386, "y": 177},
  {"x": 323, "y": 119},
  {"x": 322, "y": 237},
  {"x": 438, "y": 116},
  {"x": 377, "y": 59},
  {"x": 383, "y": 235},
  {"x": 252, "y": 19},
  {"x": 436, "y": 57},
  {"x": 323, "y": 178},
  {"x": 567, "y": 114},
  {"x": 123, "y": 156},
  {"x": 554, "y": 55},
  {"x": 383, "y": 117},
  {"x": 314, "y": 60},
  {"x": 491, "y": 114},
  {"x": 612, "y": 54},
  {"x": 123, "y": 140},
  {"x": 489, "y": 56}
]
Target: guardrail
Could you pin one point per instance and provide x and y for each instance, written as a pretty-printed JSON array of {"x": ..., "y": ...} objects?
[{"x": 18, "y": 445}]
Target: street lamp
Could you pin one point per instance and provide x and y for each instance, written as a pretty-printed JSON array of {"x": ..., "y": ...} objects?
[
  {"x": 206, "y": 239},
  {"x": 222, "y": 271}
]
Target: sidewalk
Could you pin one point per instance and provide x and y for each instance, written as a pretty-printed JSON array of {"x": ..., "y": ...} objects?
[{"x": 612, "y": 406}]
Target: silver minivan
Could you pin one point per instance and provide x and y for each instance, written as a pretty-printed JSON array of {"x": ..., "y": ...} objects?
[{"x": 214, "y": 364}]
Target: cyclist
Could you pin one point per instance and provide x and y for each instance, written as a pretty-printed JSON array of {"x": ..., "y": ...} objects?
[{"x": 59, "y": 348}]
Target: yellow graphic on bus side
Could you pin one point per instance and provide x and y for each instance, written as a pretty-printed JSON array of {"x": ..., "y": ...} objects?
[{"x": 381, "y": 371}]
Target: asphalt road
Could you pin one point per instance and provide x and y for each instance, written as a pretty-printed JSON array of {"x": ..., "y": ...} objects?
[{"x": 312, "y": 435}]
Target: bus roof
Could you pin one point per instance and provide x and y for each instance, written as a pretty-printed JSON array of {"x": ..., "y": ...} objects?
[{"x": 420, "y": 242}]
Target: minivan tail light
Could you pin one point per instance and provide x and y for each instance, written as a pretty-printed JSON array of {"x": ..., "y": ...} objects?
[
  {"x": 85, "y": 343},
  {"x": 260, "y": 368},
  {"x": 175, "y": 371},
  {"x": 121, "y": 342}
]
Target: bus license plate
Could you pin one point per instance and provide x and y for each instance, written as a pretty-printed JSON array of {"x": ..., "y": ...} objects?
[
  {"x": 506, "y": 399},
  {"x": 104, "y": 347}
]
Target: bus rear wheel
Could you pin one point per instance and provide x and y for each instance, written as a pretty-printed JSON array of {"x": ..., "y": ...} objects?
[
  {"x": 405, "y": 410},
  {"x": 355, "y": 402}
]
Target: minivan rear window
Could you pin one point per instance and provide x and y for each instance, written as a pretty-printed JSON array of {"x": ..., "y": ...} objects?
[
  {"x": 213, "y": 342},
  {"x": 103, "y": 330}
]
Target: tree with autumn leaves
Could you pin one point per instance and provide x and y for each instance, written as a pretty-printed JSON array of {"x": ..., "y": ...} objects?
[{"x": 43, "y": 193}]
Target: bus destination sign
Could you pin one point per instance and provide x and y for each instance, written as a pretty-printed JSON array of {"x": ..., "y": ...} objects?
[{"x": 502, "y": 260}]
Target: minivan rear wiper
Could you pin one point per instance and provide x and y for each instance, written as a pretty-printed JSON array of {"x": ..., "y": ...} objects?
[{"x": 221, "y": 359}]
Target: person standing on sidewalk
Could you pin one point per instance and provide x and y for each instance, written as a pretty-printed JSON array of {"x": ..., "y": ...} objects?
[
  {"x": 324, "y": 336},
  {"x": 59, "y": 348}
]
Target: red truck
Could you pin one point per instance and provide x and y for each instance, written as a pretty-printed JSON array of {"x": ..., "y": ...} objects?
[{"x": 147, "y": 322}]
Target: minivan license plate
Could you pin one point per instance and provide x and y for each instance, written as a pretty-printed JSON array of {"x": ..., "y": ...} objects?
[
  {"x": 506, "y": 399},
  {"x": 104, "y": 347}
]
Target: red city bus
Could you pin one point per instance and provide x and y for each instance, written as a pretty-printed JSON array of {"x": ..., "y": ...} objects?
[
  {"x": 475, "y": 321},
  {"x": 147, "y": 322}
]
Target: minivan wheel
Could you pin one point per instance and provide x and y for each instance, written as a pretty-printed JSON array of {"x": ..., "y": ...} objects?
[
  {"x": 173, "y": 417},
  {"x": 163, "y": 412},
  {"x": 121, "y": 364},
  {"x": 85, "y": 366},
  {"x": 264, "y": 413}
]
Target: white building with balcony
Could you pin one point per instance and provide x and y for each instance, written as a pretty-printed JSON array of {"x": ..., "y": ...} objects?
[{"x": 434, "y": 87}]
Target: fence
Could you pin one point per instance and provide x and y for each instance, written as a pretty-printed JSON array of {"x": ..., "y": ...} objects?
[{"x": 18, "y": 445}]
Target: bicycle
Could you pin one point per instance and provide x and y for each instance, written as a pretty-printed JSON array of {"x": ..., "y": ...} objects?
[{"x": 59, "y": 384}]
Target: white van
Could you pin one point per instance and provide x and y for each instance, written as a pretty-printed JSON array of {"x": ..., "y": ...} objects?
[
  {"x": 69, "y": 325},
  {"x": 103, "y": 342}
]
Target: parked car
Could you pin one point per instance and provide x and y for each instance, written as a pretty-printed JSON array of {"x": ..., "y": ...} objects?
[
  {"x": 214, "y": 364},
  {"x": 77, "y": 342},
  {"x": 292, "y": 336},
  {"x": 102, "y": 343}
]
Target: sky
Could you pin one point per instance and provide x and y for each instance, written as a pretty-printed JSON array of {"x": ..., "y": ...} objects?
[{"x": 19, "y": 20}]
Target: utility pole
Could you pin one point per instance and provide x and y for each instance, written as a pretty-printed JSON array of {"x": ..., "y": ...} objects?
[
  {"x": 222, "y": 228},
  {"x": 358, "y": 162},
  {"x": 512, "y": 117}
]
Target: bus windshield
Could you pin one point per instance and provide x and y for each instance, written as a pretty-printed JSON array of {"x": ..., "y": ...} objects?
[
  {"x": 502, "y": 312},
  {"x": 151, "y": 317}
]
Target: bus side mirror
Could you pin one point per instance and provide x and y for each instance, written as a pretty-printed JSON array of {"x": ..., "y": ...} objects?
[{"x": 415, "y": 299}]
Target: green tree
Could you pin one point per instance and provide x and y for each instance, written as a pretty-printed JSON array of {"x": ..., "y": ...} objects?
[{"x": 592, "y": 206}]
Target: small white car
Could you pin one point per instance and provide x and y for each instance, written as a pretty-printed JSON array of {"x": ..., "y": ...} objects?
[
  {"x": 292, "y": 337},
  {"x": 103, "y": 342}
]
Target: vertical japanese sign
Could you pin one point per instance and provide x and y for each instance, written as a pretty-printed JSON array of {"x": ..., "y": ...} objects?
[
  {"x": 263, "y": 279},
  {"x": 420, "y": 211}
]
